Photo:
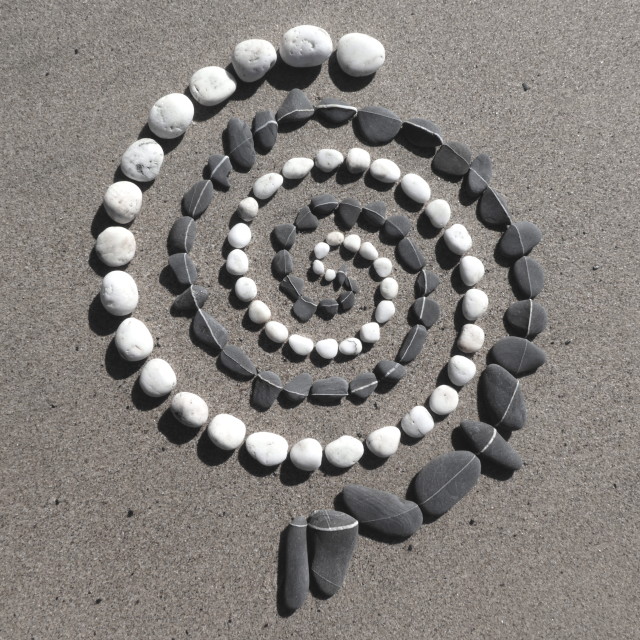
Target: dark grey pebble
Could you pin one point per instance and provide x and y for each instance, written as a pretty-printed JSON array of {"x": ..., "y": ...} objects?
[
  {"x": 329, "y": 390},
  {"x": 190, "y": 299},
  {"x": 292, "y": 286},
  {"x": 446, "y": 480},
  {"x": 519, "y": 239},
  {"x": 426, "y": 311},
  {"x": 265, "y": 130},
  {"x": 346, "y": 300},
  {"x": 304, "y": 308},
  {"x": 351, "y": 284},
  {"x": 335, "y": 111},
  {"x": 182, "y": 235},
  {"x": 374, "y": 214},
  {"x": 363, "y": 385},
  {"x": 219, "y": 167},
  {"x": 412, "y": 344},
  {"x": 282, "y": 264},
  {"x": 409, "y": 256},
  {"x": 493, "y": 210},
  {"x": 342, "y": 273},
  {"x": 324, "y": 204},
  {"x": 452, "y": 159},
  {"x": 306, "y": 221},
  {"x": 348, "y": 212},
  {"x": 240, "y": 143},
  {"x": 266, "y": 389},
  {"x": 297, "y": 389},
  {"x": 528, "y": 277},
  {"x": 389, "y": 371},
  {"x": 422, "y": 133},
  {"x": 327, "y": 308},
  {"x": 197, "y": 199},
  {"x": 295, "y": 108},
  {"x": 501, "y": 395},
  {"x": 209, "y": 331},
  {"x": 426, "y": 283},
  {"x": 479, "y": 176},
  {"x": 237, "y": 362},
  {"x": 377, "y": 125},
  {"x": 518, "y": 356},
  {"x": 381, "y": 512},
  {"x": 526, "y": 318},
  {"x": 333, "y": 536},
  {"x": 284, "y": 235},
  {"x": 184, "y": 268},
  {"x": 295, "y": 585},
  {"x": 489, "y": 444},
  {"x": 396, "y": 227}
]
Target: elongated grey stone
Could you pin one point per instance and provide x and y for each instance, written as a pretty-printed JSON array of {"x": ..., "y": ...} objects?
[
  {"x": 219, "y": 169},
  {"x": 348, "y": 212},
  {"x": 304, "y": 308},
  {"x": 526, "y": 318},
  {"x": 190, "y": 299},
  {"x": 479, "y": 176},
  {"x": 284, "y": 235},
  {"x": 502, "y": 397},
  {"x": 184, "y": 268},
  {"x": 292, "y": 286},
  {"x": 266, "y": 389},
  {"x": 519, "y": 239},
  {"x": 517, "y": 355},
  {"x": 351, "y": 284},
  {"x": 297, "y": 389},
  {"x": 422, "y": 133},
  {"x": 426, "y": 311},
  {"x": 306, "y": 221},
  {"x": 412, "y": 344},
  {"x": 327, "y": 308},
  {"x": 240, "y": 142},
  {"x": 346, "y": 300},
  {"x": 295, "y": 108},
  {"x": 329, "y": 390},
  {"x": 381, "y": 512},
  {"x": 452, "y": 159},
  {"x": 342, "y": 273},
  {"x": 209, "y": 331},
  {"x": 265, "y": 130},
  {"x": 528, "y": 277},
  {"x": 445, "y": 481},
  {"x": 296, "y": 565},
  {"x": 182, "y": 235},
  {"x": 237, "y": 362},
  {"x": 282, "y": 264},
  {"x": 389, "y": 371},
  {"x": 409, "y": 256},
  {"x": 335, "y": 111},
  {"x": 198, "y": 198},
  {"x": 493, "y": 209},
  {"x": 396, "y": 228},
  {"x": 488, "y": 443},
  {"x": 377, "y": 125},
  {"x": 363, "y": 385},
  {"x": 426, "y": 283},
  {"x": 374, "y": 214},
  {"x": 324, "y": 204}
]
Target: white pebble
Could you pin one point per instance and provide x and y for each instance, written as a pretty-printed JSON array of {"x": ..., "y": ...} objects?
[
  {"x": 269, "y": 449},
  {"x": 368, "y": 251},
  {"x": 385, "y": 170},
  {"x": 245, "y": 289},
  {"x": 358, "y": 160},
  {"x": 189, "y": 409},
  {"x": 297, "y": 168},
  {"x": 359, "y": 55},
  {"x": 330, "y": 275},
  {"x": 415, "y": 187},
  {"x": 461, "y": 370},
  {"x": 276, "y": 332},
  {"x": 321, "y": 250},
  {"x": 385, "y": 311},
  {"x": 211, "y": 85},
  {"x": 474, "y": 304},
  {"x": 266, "y": 186},
  {"x": 384, "y": 442},
  {"x": 157, "y": 378},
  {"x": 116, "y": 246},
  {"x": 239, "y": 235},
  {"x": 300, "y": 345},
  {"x": 383, "y": 267},
  {"x": 471, "y": 270},
  {"x": 471, "y": 338},
  {"x": 443, "y": 400},
  {"x": 457, "y": 238},
  {"x": 252, "y": 59},
  {"x": 389, "y": 288},
  {"x": 344, "y": 452},
  {"x": 248, "y": 209},
  {"x": 370, "y": 332},
  {"x": 327, "y": 348},
  {"x": 237, "y": 262},
  {"x": 142, "y": 160},
  {"x": 317, "y": 266},
  {"x": 171, "y": 116},
  {"x": 352, "y": 242},
  {"x": 123, "y": 201},
  {"x": 259, "y": 312},
  {"x": 439, "y": 213},
  {"x": 133, "y": 340},
  {"x": 350, "y": 347},
  {"x": 226, "y": 431},
  {"x": 418, "y": 422},
  {"x": 328, "y": 160},
  {"x": 334, "y": 238},
  {"x": 306, "y": 454},
  {"x": 305, "y": 46},
  {"x": 119, "y": 293}
]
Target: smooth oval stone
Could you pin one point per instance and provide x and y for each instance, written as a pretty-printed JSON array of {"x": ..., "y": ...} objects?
[
  {"x": 396, "y": 228},
  {"x": 461, "y": 370},
  {"x": 226, "y": 431},
  {"x": 292, "y": 286},
  {"x": 239, "y": 235},
  {"x": 471, "y": 270},
  {"x": 237, "y": 262},
  {"x": 324, "y": 204},
  {"x": 306, "y": 221},
  {"x": 445, "y": 481},
  {"x": 297, "y": 168},
  {"x": 368, "y": 251},
  {"x": 471, "y": 338},
  {"x": 381, "y": 512},
  {"x": 157, "y": 378},
  {"x": 327, "y": 348},
  {"x": 142, "y": 160},
  {"x": 415, "y": 187},
  {"x": 133, "y": 340},
  {"x": 189, "y": 409},
  {"x": 252, "y": 59},
  {"x": 171, "y": 116},
  {"x": 409, "y": 256},
  {"x": 377, "y": 125},
  {"x": 306, "y": 455},
  {"x": 304, "y": 308},
  {"x": 385, "y": 170},
  {"x": 384, "y": 311},
  {"x": 295, "y": 108},
  {"x": 115, "y": 246},
  {"x": 282, "y": 264},
  {"x": 259, "y": 312},
  {"x": 119, "y": 293},
  {"x": 209, "y": 331},
  {"x": 182, "y": 235},
  {"x": 269, "y": 449},
  {"x": 295, "y": 585},
  {"x": 305, "y": 46},
  {"x": 346, "y": 300},
  {"x": 190, "y": 299},
  {"x": 519, "y": 239},
  {"x": 276, "y": 332},
  {"x": 384, "y": 442},
  {"x": 528, "y": 276},
  {"x": 502, "y": 397},
  {"x": 350, "y": 347},
  {"x": 344, "y": 452},
  {"x": 265, "y": 130},
  {"x": 123, "y": 201},
  {"x": 297, "y": 389},
  {"x": 348, "y": 212},
  {"x": 426, "y": 283},
  {"x": 517, "y": 355},
  {"x": 474, "y": 304},
  {"x": 237, "y": 362},
  {"x": 383, "y": 267},
  {"x": 443, "y": 400},
  {"x": 328, "y": 160},
  {"x": 374, "y": 214},
  {"x": 439, "y": 213},
  {"x": 418, "y": 422},
  {"x": 492, "y": 209},
  {"x": 457, "y": 239},
  {"x": 301, "y": 345},
  {"x": 266, "y": 389},
  {"x": 412, "y": 344},
  {"x": 479, "y": 176},
  {"x": 335, "y": 111},
  {"x": 489, "y": 444},
  {"x": 333, "y": 538},
  {"x": 196, "y": 200},
  {"x": 370, "y": 332},
  {"x": 266, "y": 186},
  {"x": 363, "y": 385},
  {"x": 334, "y": 238},
  {"x": 358, "y": 160},
  {"x": 248, "y": 209},
  {"x": 389, "y": 371},
  {"x": 318, "y": 267},
  {"x": 526, "y": 318},
  {"x": 329, "y": 390},
  {"x": 422, "y": 133},
  {"x": 427, "y": 311},
  {"x": 452, "y": 159},
  {"x": 211, "y": 85},
  {"x": 219, "y": 168},
  {"x": 242, "y": 152},
  {"x": 284, "y": 235},
  {"x": 359, "y": 55}
]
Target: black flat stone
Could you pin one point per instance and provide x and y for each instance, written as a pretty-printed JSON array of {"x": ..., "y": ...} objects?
[
  {"x": 426, "y": 311},
  {"x": 526, "y": 318},
  {"x": 426, "y": 283},
  {"x": 324, "y": 204},
  {"x": 242, "y": 152},
  {"x": 190, "y": 299},
  {"x": 519, "y": 239},
  {"x": 297, "y": 389},
  {"x": 197, "y": 199},
  {"x": 295, "y": 108},
  {"x": 479, "y": 176},
  {"x": 493, "y": 210},
  {"x": 396, "y": 227},
  {"x": 266, "y": 389},
  {"x": 445, "y": 481},
  {"x": 377, "y": 125},
  {"x": 265, "y": 130},
  {"x": 389, "y": 371},
  {"x": 209, "y": 331},
  {"x": 453, "y": 159},
  {"x": 284, "y": 235},
  {"x": 501, "y": 396},
  {"x": 327, "y": 308},
  {"x": 374, "y": 214},
  {"x": 351, "y": 284},
  {"x": 346, "y": 300},
  {"x": 306, "y": 221},
  {"x": 342, "y": 273},
  {"x": 412, "y": 344},
  {"x": 184, "y": 268},
  {"x": 329, "y": 390},
  {"x": 490, "y": 445},
  {"x": 282, "y": 264},
  {"x": 409, "y": 256},
  {"x": 363, "y": 385},
  {"x": 237, "y": 362},
  {"x": 295, "y": 585},
  {"x": 528, "y": 277},
  {"x": 518, "y": 356},
  {"x": 348, "y": 213},
  {"x": 182, "y": 235},
  {"x": 335, "y": 111},
  {"x": 219, "y": 167},
  {"x": 304, "y": 308},
  {"x": 422, "y": 133},
  {"x": 292, "y": 286}
]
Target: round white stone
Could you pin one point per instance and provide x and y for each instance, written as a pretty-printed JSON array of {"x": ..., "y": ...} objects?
[
  {"x": 317, "y": 266},
  {"x": 305, "y": 46},
  {"x": 142, "y": 160},
  {"x": 415, "y": 187},
  {"x": 269, "y": 449},
  {"x": 226, "y": 431},
  {"x": 237, "y": 262},
  {"x": 321, "y": 250},
  {"x": 385, "y": 170},
  {"x": 439, "y": 213},
  {"x": 358, "y": 160},
  {"x": 474, "y": 304},
  {"x": 350, "y": 347},
  {"x": 328, "y": 160},
  {"x": 327, "y": 348},
  {"x": 330, "y": 275},
  {"x": 276, "y": 332},
  {"x": 191, "y": 410},
  {"x": 383, "y": 267},
  {"x": 370, "y": 332},
  {"x": 123, "y": 201},
  {"x": 461, "y": 370},
  {"x": 443, "y": 400},
  {"x": 116, "y": 246},
  {"x": 334, "y": 238},
  {"x": 352, "y": 242},
  {"x": 344, "y": 452},
  {"x": 171, "y": 116},
  {"x": 239, "y": 235},
  {"x": 248, "y": 209},
  {"x": 133, "y": 340},
  {"x": 359, "y": 54},
  {"x": 306, "y": 454},
  {"x": 252, "y": 59},
  {"x": 259, "y": 312},
  {"x": 157, "y": 378},
  {"x": 301, "y": 345},
  {"x": 418, "y": 422},
  {"x": 368, "y": 251},
  {"x": 297, "y": 168},
  {"x": 389, "y": 288},
  {"x": 265, "y": 186},
  {"x": 211, "y": 85},
  {"x": 471, "y": 270},
  {"x": 471, "y": 338},
  {"x": 385, "y": 311},
  {"x": 457, "y": 238},
  {"x": 245, "y": 289},
  {"x": 384, "y": 442},
  {"x": 119, "y": 293}
]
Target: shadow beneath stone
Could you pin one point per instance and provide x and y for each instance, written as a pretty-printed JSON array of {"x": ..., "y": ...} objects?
[
  {"x": 142, "y": 401},
  {"x": 99, "y": 267},
  {"x": 500, "y": 259},
  {"x": 371, "y": 183},
  {"x": 283, "y": 610},
  {"x": 456, "y": 281},
  {"x": 445, "y": 258},
  {"x": 225, "y": 279},
  {"x": 118, "y": 176},
  {"x": 404, "y": 201},
  {"x": 169, "y": 281},
  {"x": 344, "y": 176},
  {"x": 174, "y": 431},
  {"x": 329, "y": 470},
  {"x": 102, "y": 220},
  {"x": 116, "y": 366},
  {"x": 420, "y": 152},
  {"x": 211, "y": 455},
  {"x": 253, "y": 466},
  {"x": 101, "y": 322},
  {"x": 425, "y": 228},
  {"x": 285, "y": 78},
  {"x": 319, "y": 177},
  {"x": 291, "y": 476},
  {"x": 167, "y": 145},
  {"x": 370, "y": 461},
  {"x": 267, "y": 344},
  {"x": 201, "y": 112},
  {"x": 465, "y": 197},
  {"x": 343, "y": 81}
]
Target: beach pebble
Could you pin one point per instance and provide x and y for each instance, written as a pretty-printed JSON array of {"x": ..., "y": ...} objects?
[
  {"x": 490, "y": 445},
  {"x": 282, "y": 264},
  {"x": 123, "y": 201},
  {"x": 189, "y": 409},
  {"x": 528, "y": 277},
  {"x": 321, "y": 250},
  {"x": 219, "y": 167},
  {"x": 242, "y": 151},
  {"x": 370, "y": 332},
  {"x": 389, "y": 288},
  {"x": 297, "y": 389},
  {"x": 304, "y": 308},
  {"x": 284, "y": 235},
  {"x": 196, "y": 200},
  {"x": 363, "y": 385},
  {"x": 269, "y": 449},
  {"x": 474, "y": 304},
  {"x": 493, "y": 209},
  {"x": 305, "y": 46},
  {"x": 157, "y": 378},
  {"x": 295, "y": 583},
  {"x": 374, "y": 214},
  {"x": 327, "y": 348},
  {"x": 245, "y": 289},
  {"x": 471, "y": 270},
  {"x": 190, "y": 299},
  {"x": 452, "y": 159},
  {"x": 317, "y": 266},
  {"x": 115, "y": 246},
  {"x": 517, "y": 355},
  {"x": 479, "y": 176},
  {"x": 324, "y": 204},
  {"x": 410, "y": 256},
  {"x": 259, "y": 312},
  {"x": 461, "y": 370},
  {"x": 439, "y": 213},
  {"x": 426, "y": 283},
  {"x": 384, "y": 442},
  {"x": 358, "y": 160},
  {"x": 239, "y": 235},
  {"x": 426, "y": 311},
  {"x": 519, "y": 239},
  {"x": 182, "y": 235},
  {"x": 457, "y": 239},
  {"x": 276, "y": 332},
  {"x": 335, "y": 111},
  {"x": 412, "y": 344},
  {"x": 334, "y": 238},
  {"x": 359, "y": 55},
  {"x": 418, "y": 422},
  {"x": 236, "y": 362},
  {"x": 396, "y": 228},
  {"x": 226, "y": 431},
  {"x": 385, "y": 311},
  {"x": 383, "y": 267},
  {"x": 266, "y": 389},
  {"x": 353, "y": 242},
  {"x": 300, "y": 345},
  {"x": 119, "y": 293},
  {"x": 292, "y": 286},
  {"x": 297, "y": 168},
  {"x": 237, "y": 262},
  {"x": 501, "y": 397},
  {"x": 471, "y": 338},
  {"x": 415, "y": 187},
  {"x": 133, "y": 340},
  {"x": 443, "y": 400},
  {"x": 389, "y": 372},
  {"x": 328, "y": 160},
  {"x": 265, "y": 130},
  {"x": 346, "y": 300},
  {"x": 526, "y": 318},
  {"x": 266, "y": 186},
  {"x": 252, "y": 59},
  {"x": 330, "y": 275},
  {"x": 377, "y": 125},
  {"x": 295, "y": 108},
  {"x": 211, "y": 85},
  {"x": 209, "y": 331},
  {"x": 422, "y": 133},
  {"x": 368, "y": 251},
  {"x": 350, "y": 347},
  {"x": 344, "y": 452},
  {"x": 348, "y": 212},
  {"x": 306, "y": 220},
  {"x": 142, "y": 160},
  {"x": 248, "y": 209},
  {"x": 329, "y": 390},
  {"x": 171, "y": 116},
  {"x": 306, "y": 454}
]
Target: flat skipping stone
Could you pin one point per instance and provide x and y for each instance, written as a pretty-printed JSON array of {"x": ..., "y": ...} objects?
[
  {"x": 479, "y": 176},
  {"x": 324, "y": 204},
  {"x": 518, "y": 356},
  {"x": 265, "y": 130},
  {"x": 182, "y": 235},
  {"x": 452, "y": 159},
  {"x": 237, "y": 362},
  {"x": 396, "y": 228},
  {"x": 377, "y": 125},
  {"x": 409, "y": 256},
  {"x": 528, "y": 277},
  {"x": 284, "y": 235},
  {"x": 422, "y": 133},
  {"x": 389, "y": 372},
  {"x": 335, "y": 111},
  {"x": 426, "y": 283},
  {"x": 306, "y": 220},
  {"x": 282, "y": 264},
  {"x": 489, "y": 444},
  {"x": 209, "y": 331},
  {"x": 296, "y": 565},
  {"x": 363, "y": 385},
  {"x": 184, "y": 268},
  {"x": 304, "y": 308},
  {"x": 327, "y": 308},
  {"x": 266, "y": 389},
  {"x": 346, "y": 300},
  {"x": 329, "y": 390},
  {"x": 501, "y": 395},
  {"x": 493, "y": 210},
  {"x": 190, "y": 299},
  {"x": 219, "y": 167},
  {"x": 519, "y": 239},
  {"x": 242, "y": 152},
  {"x": 196, "y": 200},
  {"x": 526, "y": 318},
  {"x": 374, "y": 214},
  {"x": 412, "y": 344},
  {"x": 297, "y": 389},
  {"x": 296, "y": 108},
  {"x": 348, "y": 212},
  {"x": 292, "y": 286},
  {"x": 426, "y": 311}
]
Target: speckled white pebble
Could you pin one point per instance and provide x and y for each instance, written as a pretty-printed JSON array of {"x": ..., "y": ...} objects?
[
  {"x": 297, "y": 168},
  {"x": 415, "y": 187},
  {"x": 265, "y": 186},
  {"x": 157, "y": 378},
  {"x": 461, "y": 370},
  {"x": 474, "y": 304},
  {"x": 321, "y": 250},
  {"x": 328, "y": 160},
  {"x": 301, "y": 345},
  {"x": 142, "y": 160},
  {"x": 350, "y": 347},
  {"x": 171, "y": 116},
  {"x": 237, "y": 262},
  {"x": 344, "y": 452},
  {"x": 359, "y": 55},
  {"x": 368, "y": 251},
  {"x": 370, "y": 332},
  {"x": 211, "y": 85},
  {"x": 119, "y": 293},
  {"x": 133, "y": 340},
  {"x": 269, "y": 449},
  {"x": 443, "y": 400},
  {"x": 239, "y": 235},
  {"x": 327, "y": 348},
  {"x": 306, "y": 454},
  {"x": 252, "y": 59},
  {"x": 383, "y": 267},
  {"x": 439, "y": 213},
  {"x": 330, "y": 275},
  {"x": 471, "y": 338},
  {"x": 457, "y": 238},
  {"x": 116, "y": 246},
  {"x": 385, "y": 170},
  {"x": 245, "y": 289},
  {"x": 334, "y": 238},
  {"x": 248, "y": 209},
  {"x": 305, "y": 46},
  {"x": 418, "y": 422},
  {"x": 317, "y": 266},
  {"x": 276, "y": 332},
  {"x": 190, "y": 409},
  {"x": 352, "y": 242},
  {"x": 259, "y": 312},
  {"x": 358, "y": 160},
  {"x": 389, "y": 288},
  {"x": 384, "y": 442},
  {"x": 123, "y": 201},
  {"x": 471, "y": 270},
  {"x": 385, "y": 311},
  {"x": 226, "y": 431}
]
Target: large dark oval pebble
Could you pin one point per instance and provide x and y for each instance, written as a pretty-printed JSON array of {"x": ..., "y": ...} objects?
[
  {"x": 426, "y": 283},
  {"x": 266, "y": 389},
  {"x": 489, "y": 444},
  {"x": 190, "y": 299},
  {"x": 265, "y": 130},
  {"x": 184, "y": 268},
  {"x": 335, "y": 111},
  {"x": 282, "y": 264},
  {"x": 242, "y": 151},
  {"x": 306, "y": 221},
  {"x": 453, "y": 159},
  {"x": 493, "y": 210},
  {"x": 346, "y": 300},
  {"x": 389, "y": 372},
  {"x": 292, "y": 286},
  {"x": 377, "y": 125},
  {"x": 528, "y": 277},
  {"x": 219, "y": 167},
  {"x": 296, "y": 565},
  {"x": 519, "y": 239},
  {"x": 327, "y": 308},
  {"x": 374, "y": 214},
  {"x": 182, "y": 235},
  {"x": 209, "y": 331},
  {"x": 409, "y": 256},
  {"x": 479, "y": 176},
  {"x": 324, "y": 204},
  {"x": 348, "y": 212},
  {"x": 237, "y": 362},
  {"x": 526, "y": 318},
  {"x": 284, "y": 235},
  {"x": 396, "y": 227},
  {"x": 297, "y": 389},
  {"x": 296, "y": 107},
  {"x": 304, "y": 308},
  {"x": 518, "y": 356},
  {"x": 198, "y": 198},
  {"x": 363, "y": 385},
  {"x": 422, "y": 133},
  {"x": 501, "y": 396},
  {"x": 329, "y": 390},
  {"x": 412, "y": 344},
  {"x": 426, "y": 311}
]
